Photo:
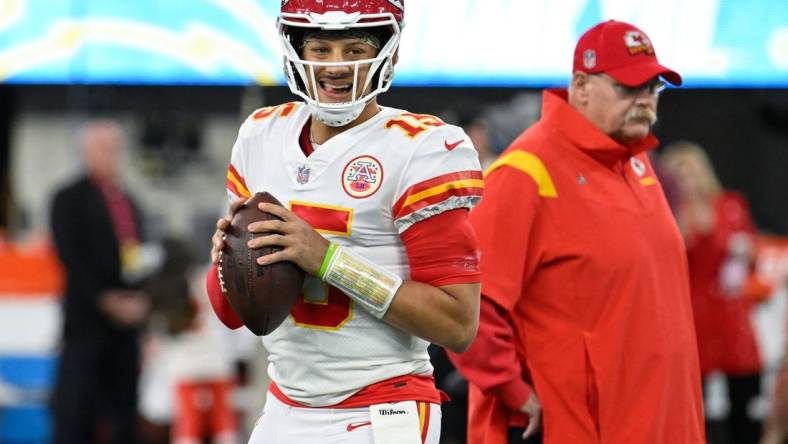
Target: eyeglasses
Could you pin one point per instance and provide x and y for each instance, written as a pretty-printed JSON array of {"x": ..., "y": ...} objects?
[{"x": 654, "y": 87}]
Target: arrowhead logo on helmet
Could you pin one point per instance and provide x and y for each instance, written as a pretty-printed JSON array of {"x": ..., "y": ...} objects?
[{"x": 380, "y": 17}]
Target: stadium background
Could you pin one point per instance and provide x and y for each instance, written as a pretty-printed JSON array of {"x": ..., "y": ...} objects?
[{"x": 181, "y": 79}]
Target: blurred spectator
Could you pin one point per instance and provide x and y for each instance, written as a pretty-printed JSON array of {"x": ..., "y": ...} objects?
[
  {"x": 96, "y": 229},
  {"x": 197, "y": 365},
  {"x": 478, "y": 130},
  {"x": 719, "y": 234},
  {"x": 776, "y": 430}
]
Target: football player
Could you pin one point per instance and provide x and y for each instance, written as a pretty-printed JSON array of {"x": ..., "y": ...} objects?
[{"x": 376, "y": 205}]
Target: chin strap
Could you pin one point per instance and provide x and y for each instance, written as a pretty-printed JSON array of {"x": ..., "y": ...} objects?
[{"x": 337, "y": 117}]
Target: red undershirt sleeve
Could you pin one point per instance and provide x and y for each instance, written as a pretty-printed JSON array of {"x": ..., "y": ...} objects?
[
  {"x": 442, "y": 249},
  {"x": 219, "y": 303}
]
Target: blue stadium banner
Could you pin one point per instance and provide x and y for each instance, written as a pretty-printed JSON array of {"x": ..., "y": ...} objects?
[{"x": 712, "y": 43}]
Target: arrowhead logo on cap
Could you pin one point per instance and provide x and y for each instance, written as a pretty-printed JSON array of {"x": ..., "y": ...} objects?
[{"x": 637, "y": 43}]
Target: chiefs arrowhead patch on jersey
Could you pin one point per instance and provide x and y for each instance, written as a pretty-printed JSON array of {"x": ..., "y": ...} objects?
[{"x": 362, "y": 177}]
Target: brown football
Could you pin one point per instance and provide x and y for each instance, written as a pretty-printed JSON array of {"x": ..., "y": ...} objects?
[{"x": 262, "y": 296}]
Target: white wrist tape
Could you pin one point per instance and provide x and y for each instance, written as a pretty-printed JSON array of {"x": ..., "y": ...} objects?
[{"x": 362, "y": 280}]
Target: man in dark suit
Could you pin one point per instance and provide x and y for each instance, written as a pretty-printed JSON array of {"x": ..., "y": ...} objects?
[{"x": 96, "y": 232}]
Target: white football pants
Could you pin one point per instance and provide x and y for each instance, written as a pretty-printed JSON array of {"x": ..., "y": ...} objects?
[{"x": 284, "y": 424}]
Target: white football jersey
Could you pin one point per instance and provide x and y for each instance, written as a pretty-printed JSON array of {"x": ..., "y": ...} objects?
[{"x": 360, "y": 189}]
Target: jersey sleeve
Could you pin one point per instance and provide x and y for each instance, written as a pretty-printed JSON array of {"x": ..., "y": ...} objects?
[
  {"x": 442, "y": 174},
  {"x": 235, "y": 181},
  {"x": 236, "y": 187}
]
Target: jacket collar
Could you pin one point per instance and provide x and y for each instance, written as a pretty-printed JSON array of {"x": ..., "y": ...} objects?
[{"x": 557, "y": 112}]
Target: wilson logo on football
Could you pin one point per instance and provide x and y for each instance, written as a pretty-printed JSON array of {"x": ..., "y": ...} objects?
[{"x": 362, "y": 177}]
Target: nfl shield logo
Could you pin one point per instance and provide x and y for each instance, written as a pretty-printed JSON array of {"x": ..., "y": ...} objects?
[
  {"x": 589, "y": 58},
  {"x": 302, "y": 174}
]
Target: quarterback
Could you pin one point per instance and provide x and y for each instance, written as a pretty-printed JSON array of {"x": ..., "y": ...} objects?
[{"x": 376, "y": 204}]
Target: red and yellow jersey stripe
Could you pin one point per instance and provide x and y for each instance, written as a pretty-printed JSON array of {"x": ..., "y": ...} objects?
[
  {"x": 436, "y": 190},
  {"x": 236, "y": 183}
]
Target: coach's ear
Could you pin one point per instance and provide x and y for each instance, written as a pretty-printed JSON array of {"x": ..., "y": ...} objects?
[{"x": 579, "y": 88}]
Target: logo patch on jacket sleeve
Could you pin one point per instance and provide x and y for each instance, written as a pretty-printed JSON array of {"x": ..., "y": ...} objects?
[{"x": 362, "y": 177}]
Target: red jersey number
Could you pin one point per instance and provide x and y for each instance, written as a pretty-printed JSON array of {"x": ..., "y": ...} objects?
[
  {"x": 323, "y": 306},
  {"x": 284, "y": 110},
  {"x": 414, "y": 124}
]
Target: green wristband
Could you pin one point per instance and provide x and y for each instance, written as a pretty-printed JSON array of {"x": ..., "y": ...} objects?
[{"x": 332, "y": 247}]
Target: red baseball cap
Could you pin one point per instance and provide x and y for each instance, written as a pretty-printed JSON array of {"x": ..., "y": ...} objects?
[{"x": 621, "y": 51}]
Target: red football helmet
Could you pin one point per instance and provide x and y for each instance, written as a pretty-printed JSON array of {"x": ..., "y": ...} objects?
[
  {"x": 383, "y": 17},
  {"x": 367, "y": 7}
]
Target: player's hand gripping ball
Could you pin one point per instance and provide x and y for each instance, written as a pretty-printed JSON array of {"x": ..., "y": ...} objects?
[{"x": 262, "y": 296}]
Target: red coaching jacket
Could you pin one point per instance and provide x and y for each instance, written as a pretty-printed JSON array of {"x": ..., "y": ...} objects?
[{"x": 584, "y": 278}]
